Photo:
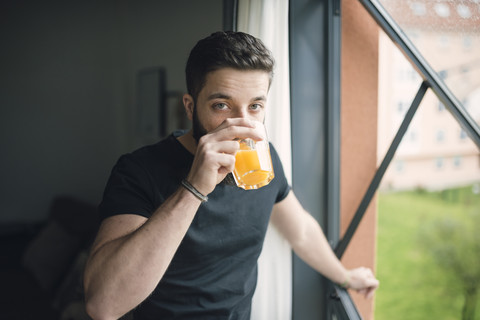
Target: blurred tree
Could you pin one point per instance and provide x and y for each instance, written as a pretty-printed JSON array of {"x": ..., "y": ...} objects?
[{"x": 454, "y": 244}]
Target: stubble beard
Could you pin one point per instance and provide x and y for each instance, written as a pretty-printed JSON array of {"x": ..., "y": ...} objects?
[{"x": 198, "y": 130}]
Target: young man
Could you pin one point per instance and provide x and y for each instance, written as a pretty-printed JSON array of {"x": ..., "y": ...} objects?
[{"x": 164, "y": 251}]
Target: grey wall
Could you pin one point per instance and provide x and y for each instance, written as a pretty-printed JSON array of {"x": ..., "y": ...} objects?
[{"x": 67, "y": 89}]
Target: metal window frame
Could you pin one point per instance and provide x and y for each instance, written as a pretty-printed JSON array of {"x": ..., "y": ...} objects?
[
  {"x": 315, "y": 47},
  {"x": 230, "y": 13}
]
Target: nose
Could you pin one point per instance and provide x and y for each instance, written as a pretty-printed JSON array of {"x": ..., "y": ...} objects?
[{"x": 241, "y": 113}]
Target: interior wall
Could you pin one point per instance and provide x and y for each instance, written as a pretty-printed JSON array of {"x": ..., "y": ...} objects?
[
  {"x": 67, "y": 89},
  {"x": 359, "y": 136}
]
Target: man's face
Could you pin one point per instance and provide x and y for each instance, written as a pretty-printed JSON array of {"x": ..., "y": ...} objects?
[{"x": 230, "y": 93}]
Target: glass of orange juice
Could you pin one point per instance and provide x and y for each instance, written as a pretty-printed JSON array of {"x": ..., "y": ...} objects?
[{"x": 253, "y": 163}]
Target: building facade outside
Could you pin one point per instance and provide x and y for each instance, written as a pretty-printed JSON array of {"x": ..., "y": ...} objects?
[{"x": 435, "y": 152}]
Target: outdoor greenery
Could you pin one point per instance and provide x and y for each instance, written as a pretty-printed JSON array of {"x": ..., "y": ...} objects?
[{"x": 414, "y": 283}]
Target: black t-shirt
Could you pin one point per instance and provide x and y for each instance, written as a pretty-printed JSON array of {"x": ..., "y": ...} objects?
[{"x": 214, "y": 271}]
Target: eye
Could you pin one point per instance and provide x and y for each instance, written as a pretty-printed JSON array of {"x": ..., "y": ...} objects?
[
  {"x": 256, "y": 106},
  {"x": 220, "y": 106}
]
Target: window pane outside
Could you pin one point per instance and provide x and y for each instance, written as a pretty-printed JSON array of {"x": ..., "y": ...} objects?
[
  {"x": 432, "y": 184},
  {"x": 429, "y": 199},
  {"x": 447, "y": 34}
]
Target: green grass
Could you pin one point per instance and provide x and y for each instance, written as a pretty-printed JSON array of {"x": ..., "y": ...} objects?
[{"x": 412, "y": 286}]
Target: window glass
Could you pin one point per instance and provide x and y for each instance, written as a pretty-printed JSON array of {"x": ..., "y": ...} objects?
[
  {"x": 428, "y": 207},
  {"x": 447, "y": 34},
  {"x": 428, "y": 248}
]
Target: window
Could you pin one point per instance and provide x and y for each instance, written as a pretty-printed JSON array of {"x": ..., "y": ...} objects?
[
  {"x": 442, "y": 10},
  {"x": 457, "y": 161},
  {"x": 439, "y": 163},
  {"x": 443, "y": 41},
  {"x": 400, "y": 166},
  {"x": 441, "y": 106},
  {"x": 443, "y": 74},
  {"x": 418, "y": 8},
  {"x": 467, "y": 42},
  {"x": 413, "y": 75},
  {"x": 454, "y": 25},
  {"x": 412, "y": 136},
  {"x": 464, "y": 11},
  {"x": 447, "y": 24},
  {"x": 440, "y": 135}
]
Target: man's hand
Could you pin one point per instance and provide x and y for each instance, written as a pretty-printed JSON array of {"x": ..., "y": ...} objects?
[
  {"x": 215, "y": 153},
  {"x": 363, "y": 281}
]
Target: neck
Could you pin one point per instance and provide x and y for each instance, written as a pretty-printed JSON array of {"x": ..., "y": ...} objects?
[{"x": 188, "y": 142}]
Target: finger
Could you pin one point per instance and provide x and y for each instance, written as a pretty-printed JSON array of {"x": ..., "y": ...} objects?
[
  {"x": 213, "y": 146},
  {"x": 372, "y": 285},
  {"x": 234, "y": 122},
  {"x": 371, "y": 282},
  {"x": 228, "y": 147},
  {"x": 235, "y": 132},
  {"x": 362, "y": 291},
  {"x": 363, "y": 278},
  {"x": 242, "y": 122},
  {"x": 369, "y": 293},
  {"x": 226, "y": 163},
  {"x": 240, "y": 128}
]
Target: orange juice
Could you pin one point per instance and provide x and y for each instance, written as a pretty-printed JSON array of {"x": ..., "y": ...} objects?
[{"x": 253, "y": 165}]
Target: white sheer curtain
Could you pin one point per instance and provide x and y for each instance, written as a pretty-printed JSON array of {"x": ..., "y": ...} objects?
[{"x": 268, "y": 20}]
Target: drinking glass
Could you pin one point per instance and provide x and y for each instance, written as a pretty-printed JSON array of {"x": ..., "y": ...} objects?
[{"x": 253, "y": 163}]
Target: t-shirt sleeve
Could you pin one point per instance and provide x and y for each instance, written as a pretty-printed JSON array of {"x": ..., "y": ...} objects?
[
  {"x": 283, "y": 186},
  {"x": 128, "y": 190}
]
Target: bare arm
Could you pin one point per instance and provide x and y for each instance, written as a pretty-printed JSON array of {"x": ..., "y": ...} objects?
[
  {"x": 309, "y": 243},
  {"x": 131, "y": 254}
]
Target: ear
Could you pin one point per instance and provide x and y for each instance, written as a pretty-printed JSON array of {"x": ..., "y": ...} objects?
[{"x": 188, "y": 104}]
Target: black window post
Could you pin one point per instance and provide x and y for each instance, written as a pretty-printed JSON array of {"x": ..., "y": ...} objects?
[{"x": 315, "y": 115}]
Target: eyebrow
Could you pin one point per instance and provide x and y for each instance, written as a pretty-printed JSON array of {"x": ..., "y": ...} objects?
[
  {"x": 219, "y": 95},
  {"x": 260, "y": 98}
]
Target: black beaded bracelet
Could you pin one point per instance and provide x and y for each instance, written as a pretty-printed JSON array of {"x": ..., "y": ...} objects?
[{"x": 194, "y": 191}]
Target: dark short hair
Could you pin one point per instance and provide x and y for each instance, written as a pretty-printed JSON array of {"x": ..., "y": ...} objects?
[{"x": 226, "y": 49}]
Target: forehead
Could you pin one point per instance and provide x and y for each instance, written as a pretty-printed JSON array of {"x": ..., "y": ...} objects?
[{"x": 233, "y": 81}]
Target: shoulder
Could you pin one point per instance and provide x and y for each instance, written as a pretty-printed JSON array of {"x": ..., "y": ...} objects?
[
  {"x": 274, "y": 154},
  {"x": 166, "y": 151},
  {"x": 280, "y": 180},
  {"x": 143, "y": 178}
]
